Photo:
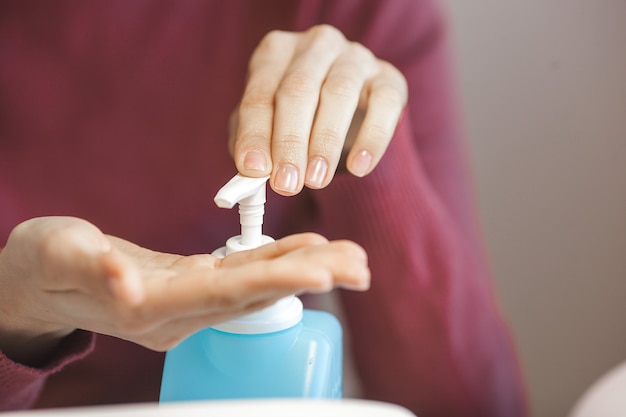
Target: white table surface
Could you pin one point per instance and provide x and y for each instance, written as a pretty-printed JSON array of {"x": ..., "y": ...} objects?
[
  {"x": 242, "y": 408},
  {"x": 606, "y": 397}
]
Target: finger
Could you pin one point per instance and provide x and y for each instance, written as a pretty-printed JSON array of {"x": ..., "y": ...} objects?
[
  {"x": 316, "y": 268},
  {"x": 175, "y": 308},
  {"x": 272, "y": 250},
  {"x": 221, "y": 293},
  {"x": 233, "y": 122},
  {"x": 166, "y": 335},
  {"x": 123, "y": 278},
  {"x": 229, "y": 290},
  {"x": 255, "y": 116},
  {"x": 386, "y": 96},
  {"x": 195, "y": 289},
  {"x": 338, "y": 102},
  {"x": 297, "y": 100},
  {"x": 344, "y": 260}
]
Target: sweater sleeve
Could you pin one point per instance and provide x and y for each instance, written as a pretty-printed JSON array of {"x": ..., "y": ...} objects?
[
  {"x": 428, "y": 334},
  {"x": 21, "y": 385}
]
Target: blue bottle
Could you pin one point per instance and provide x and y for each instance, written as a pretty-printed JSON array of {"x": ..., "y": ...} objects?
[{"x": 282, "y": 351}]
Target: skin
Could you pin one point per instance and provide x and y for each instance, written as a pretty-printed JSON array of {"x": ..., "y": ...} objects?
[
  {"x": 58, "y": 274},
  {"x": 312, "y": 99}
]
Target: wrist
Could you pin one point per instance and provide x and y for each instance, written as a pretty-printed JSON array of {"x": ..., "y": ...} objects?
[
  {"x": 23, "y": 338},
  {"x": 29, "y": 346}
]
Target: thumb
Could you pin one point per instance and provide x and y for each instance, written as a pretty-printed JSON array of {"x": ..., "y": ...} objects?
[{"x": 123, "y": 278}]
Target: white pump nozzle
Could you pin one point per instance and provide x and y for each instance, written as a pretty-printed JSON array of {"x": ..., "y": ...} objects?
[
  {"x": 250, "y": 194},
  {"x": 239, "y": 188}
]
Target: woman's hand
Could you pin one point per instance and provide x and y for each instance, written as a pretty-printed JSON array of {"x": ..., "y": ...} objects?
[
  {"x": 58, "y": 274},
  {"x": 310, "y": 98}
]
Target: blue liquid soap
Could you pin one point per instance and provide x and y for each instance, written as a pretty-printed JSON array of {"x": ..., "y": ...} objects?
[{"x": 282, "y": 351}]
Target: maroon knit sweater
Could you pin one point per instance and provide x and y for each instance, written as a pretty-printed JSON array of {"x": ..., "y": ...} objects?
[{"x": 116, "y": 112}]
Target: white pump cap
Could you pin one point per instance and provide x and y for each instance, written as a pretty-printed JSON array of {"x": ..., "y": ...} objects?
[{"x": 250, "y": 194}]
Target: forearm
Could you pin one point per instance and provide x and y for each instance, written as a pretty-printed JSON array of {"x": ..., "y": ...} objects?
[
  {"x": 23, "y": 337},
  {"x": 28, "y": 352}
]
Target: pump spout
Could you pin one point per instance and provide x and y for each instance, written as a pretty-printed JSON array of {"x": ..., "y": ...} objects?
[
  {"x": 239, "y": 188},
  {"x": 250, "y": 194}
]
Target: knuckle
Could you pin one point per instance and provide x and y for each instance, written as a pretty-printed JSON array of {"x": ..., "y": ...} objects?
[
  {"x": 49, "y": 239},
  {"x": 257, "y": 98},
  {"x": 273, "y": 39},
  {"x": 342, "y": 85},
  {"x": 297, "y": 84},
  {"x": 365, "y": 62},
  {"x": 327, "y": 138},
  {"x": 391, "y": 69},
  {"x": 314, "y": 239},
  {"x": 387, "y": 95},
  {"x": 64, "y": 232},
  {"x": 50, "y": 243},
  {"x": 196, "y": 262},
  {"x": 325, "y": 32},
  {"x": 271, "y": 46},
  {"x": 271, "y": 43},
  {"x": 252, "y": 139},
  {"x": 23, "y": 229},
  {"x": 376, "y": 133},
  {"x": 290, "y": 148},
  {"x": 361, "y": 50},
  {"x": 218, "y": 297},
  {"x": 47, "y": 248},
  {"x": 397, "y": 80}
]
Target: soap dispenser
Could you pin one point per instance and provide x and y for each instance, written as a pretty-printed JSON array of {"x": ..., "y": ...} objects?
[{"x": 281, "y": 351}]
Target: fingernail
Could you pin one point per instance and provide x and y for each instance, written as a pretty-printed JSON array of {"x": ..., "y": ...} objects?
[
  {"x": 287, "y": 178},
  {"x": 316, "y": 172},
  {"x": 361, "y": 163},
  {"x": 255, "y": 160}
]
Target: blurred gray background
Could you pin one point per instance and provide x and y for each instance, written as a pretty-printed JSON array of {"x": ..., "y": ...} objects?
[{"x": 543, "y": 91}]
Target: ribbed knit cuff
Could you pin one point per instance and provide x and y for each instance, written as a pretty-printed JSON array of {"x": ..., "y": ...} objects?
[{"x": 20, "y": 385}]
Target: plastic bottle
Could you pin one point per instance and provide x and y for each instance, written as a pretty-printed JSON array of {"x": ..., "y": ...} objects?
[{"x": 279, "y": 352}]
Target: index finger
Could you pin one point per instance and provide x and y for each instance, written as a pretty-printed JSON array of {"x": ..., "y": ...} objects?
[
  {"x": 252, "y": 151},
  {"x": 230, "y": 290}
]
